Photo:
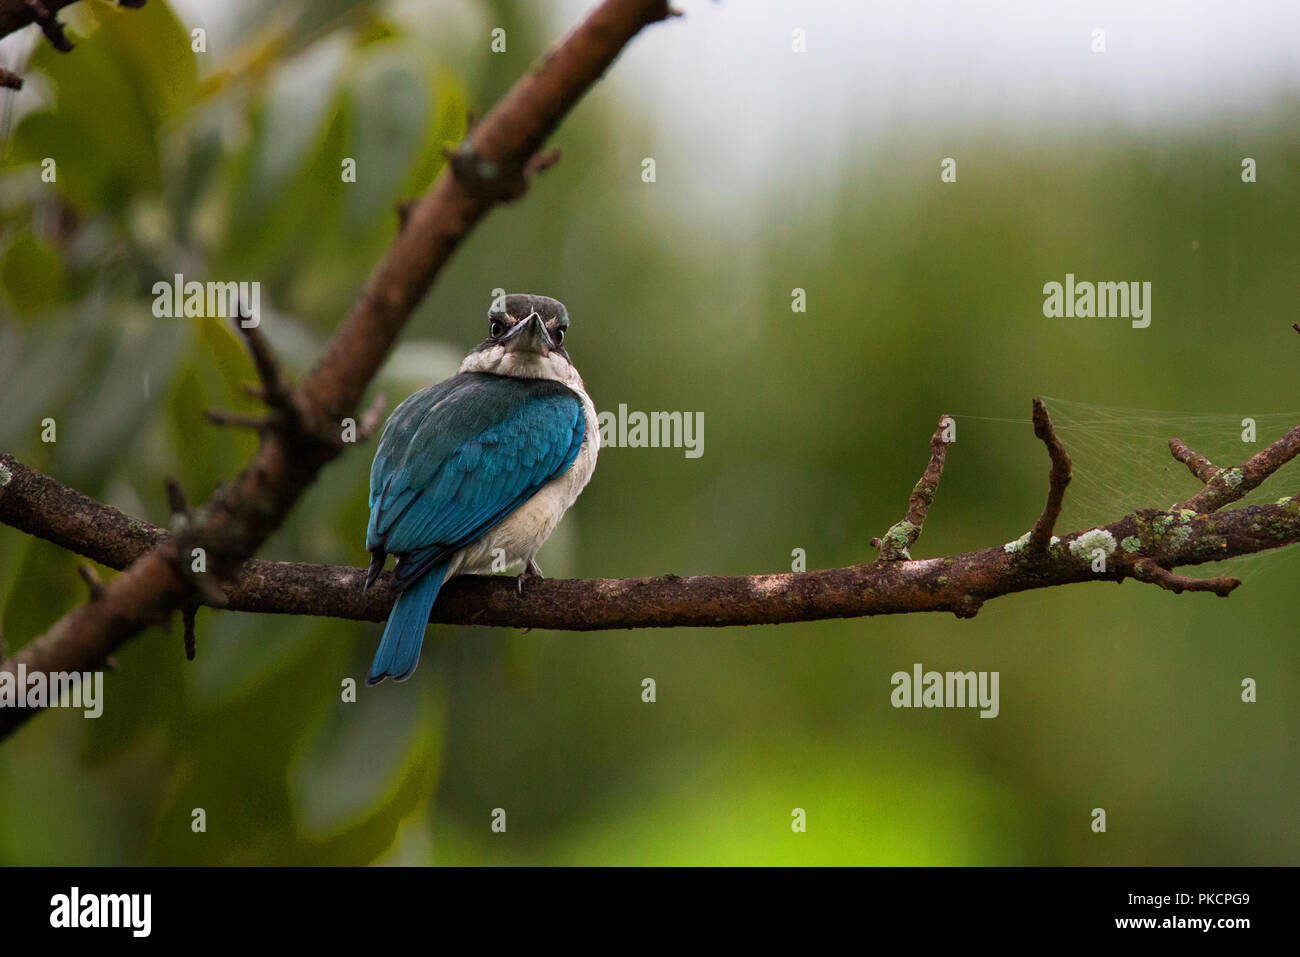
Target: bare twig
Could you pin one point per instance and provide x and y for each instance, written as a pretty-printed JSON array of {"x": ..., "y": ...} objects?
[
  {"x": 211, "y": 592},
  {"x": 488, "y": 180},
  {"x": 404, "y": 212},
  {"x": 1149, "y": 570},
  {"x": 896, "y": 542},
  {"x": 176, "y": 500},
  {"x": 16, "y": 14},
  {"x": 45, "y": 18},
  {"x": 1226, "y": 486},
  {"x": 182, "y": 517},
  {"x": 1197, "y": 464},
  {"x": 275, "y": 389},
  {"x": 188, "y": 614},
  {"x": 91, "y": 578},
  {"x": 372, "y": 418},
  {"x": 239, "y": 420},
  {"x": 1058, "y": 478},
  {"x": 541, "y": 162}
]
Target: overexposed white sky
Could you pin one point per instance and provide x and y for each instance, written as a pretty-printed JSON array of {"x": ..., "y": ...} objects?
[
  {"x": 728, "y": 65},
  {"x": 867, "y": 60},
  {"x": 724, "y": 81}
]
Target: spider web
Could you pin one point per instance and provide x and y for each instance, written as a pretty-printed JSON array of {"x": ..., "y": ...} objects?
[{"x": 1121, "y": 458}]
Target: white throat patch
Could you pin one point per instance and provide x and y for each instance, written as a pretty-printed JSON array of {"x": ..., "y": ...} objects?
[{"x": 496, "y": 360}]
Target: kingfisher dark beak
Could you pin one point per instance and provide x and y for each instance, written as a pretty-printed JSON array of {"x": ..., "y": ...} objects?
[{"x": 530, "y": 335}]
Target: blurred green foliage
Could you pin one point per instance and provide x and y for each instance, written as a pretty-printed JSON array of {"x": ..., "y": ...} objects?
[{"x": 923, "y": 298}]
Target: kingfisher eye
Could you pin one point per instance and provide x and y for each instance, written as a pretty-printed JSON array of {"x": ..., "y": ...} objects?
[
  {"x": 496, "y": 328},
  {"x": 559, "y": 336}
]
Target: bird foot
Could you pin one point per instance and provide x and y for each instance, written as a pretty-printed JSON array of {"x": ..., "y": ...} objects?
[{"x": 531, "y": 570}]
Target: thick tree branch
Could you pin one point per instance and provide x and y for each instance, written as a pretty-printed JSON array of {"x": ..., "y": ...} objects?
[
  {"x": 38, "y": 505},
  {"x": 1143, "y": 545},
  {"x": 244, "y": 512}
]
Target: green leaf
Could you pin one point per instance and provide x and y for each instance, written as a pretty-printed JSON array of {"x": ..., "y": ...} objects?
[
  {"x": 357, "y": 761},
  {"x": 113, "y": 406},
  {"x": 154, "y": 49},
  {"x": 387, "y": 130},
  {"x": 32, "y": 274},
  {"x": 261, "y": 756},
  {"x": 143, "y": 696},
  {"x": 449, "y": 125},
  {"x": 131, "y": 73},
  {"x": 44, "y": 586},
  {"x": 273, "y": 231},
  {"x": 28, "y": 390},
  {"x": 294, "y": 115},
  {"x": 207, "y": 454}
]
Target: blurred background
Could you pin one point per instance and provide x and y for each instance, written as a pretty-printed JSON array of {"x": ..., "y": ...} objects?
[{"x": 775, "y": 170}]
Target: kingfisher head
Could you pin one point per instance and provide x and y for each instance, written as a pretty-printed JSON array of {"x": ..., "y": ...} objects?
[{"x": 525, "y": 340}]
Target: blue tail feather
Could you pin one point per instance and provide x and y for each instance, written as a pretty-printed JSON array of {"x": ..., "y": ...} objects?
[{"x": 399, "y": 649}]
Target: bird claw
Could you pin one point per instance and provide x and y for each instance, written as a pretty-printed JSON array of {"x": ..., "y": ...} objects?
[{"x": 531, "y": 570}]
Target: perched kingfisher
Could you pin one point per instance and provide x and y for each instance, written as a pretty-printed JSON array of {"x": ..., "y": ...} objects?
[{"x": 488, "y": 459}]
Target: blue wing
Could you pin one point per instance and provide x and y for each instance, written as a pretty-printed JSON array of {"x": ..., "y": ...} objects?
[{"x": 457, "y": 458}]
